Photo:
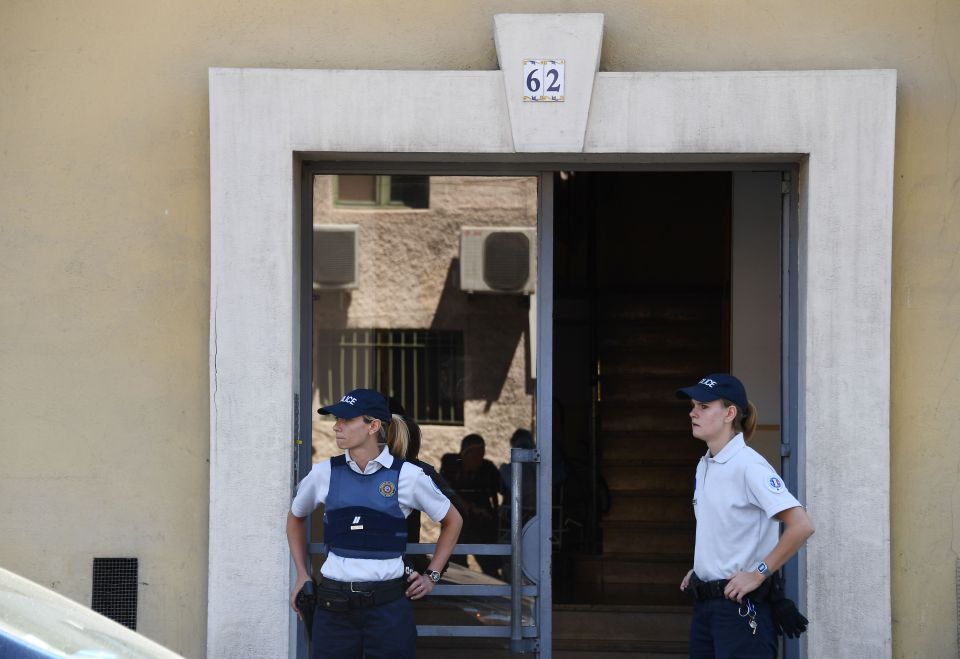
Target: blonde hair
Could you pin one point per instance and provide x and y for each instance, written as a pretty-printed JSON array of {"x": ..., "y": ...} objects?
[
  {"x": 396, "y": 435},
  {"x": 746, "y": 420}
]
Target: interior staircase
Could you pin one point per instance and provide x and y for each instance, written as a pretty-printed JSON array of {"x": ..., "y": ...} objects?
[
  {"x": 649, "y": 345},
  {"x": 619, "y": 631}
]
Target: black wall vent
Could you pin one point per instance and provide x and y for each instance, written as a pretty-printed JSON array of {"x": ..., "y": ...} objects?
[{"x": 115, "y": 589}]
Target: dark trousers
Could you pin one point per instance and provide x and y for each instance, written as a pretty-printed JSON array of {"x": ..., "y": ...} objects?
[
  {"x": 719, "y": 632},
  {"x": 380, "y": 632}
]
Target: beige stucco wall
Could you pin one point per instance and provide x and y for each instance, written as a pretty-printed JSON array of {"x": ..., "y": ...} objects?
[{"x": 104, "y": 237}]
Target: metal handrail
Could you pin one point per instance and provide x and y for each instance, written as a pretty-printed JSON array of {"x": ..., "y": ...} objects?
[{"x": 518, "y": 456}]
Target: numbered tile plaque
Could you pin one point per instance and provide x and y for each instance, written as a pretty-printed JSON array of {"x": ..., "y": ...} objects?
[{"x": 543, "y": 80}]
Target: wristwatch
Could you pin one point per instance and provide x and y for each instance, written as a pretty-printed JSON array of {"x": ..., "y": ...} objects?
[
  {"x": 762, "y": 568},
  {"x": 432, "y": 575}
]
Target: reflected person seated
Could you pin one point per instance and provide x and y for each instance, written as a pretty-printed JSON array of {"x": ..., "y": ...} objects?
[{"x": 476, "y": 482}]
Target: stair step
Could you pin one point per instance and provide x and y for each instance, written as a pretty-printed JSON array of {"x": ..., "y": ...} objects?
[
  {"x": 613, "y": 572},
  {"x": 676, "y": 364},
  {"x": 444, "y": 647},
  {"x": 674, "y": 346},
  {"x": 637, "y": 389},
  {"x": 658, "y": 309},
  {"x": 567, "y": 649},
  {"x": 649, "y": 322},
  {"x": 666, "y": 445},
  {"x": 586, "y": 630},
  {"x": 676, "y": 477},
  {"x": 650, "y": 506},
  {"x": 608, "y": 649},
  {"x": 629, "y": 390},
  {"x": 652, "y": 460},
  {"x": 653, "y": 594},
  {"x": 620, "y": 622},
  {"x": 622, "y": 416},
  {"x": 648, "y": 537},
  {"x": 669, "y": 525}
]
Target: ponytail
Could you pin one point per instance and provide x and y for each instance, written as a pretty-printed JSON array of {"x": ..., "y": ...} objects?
[
  {"x": 401, "y": 435},
  {"x": 397, "y": 437},
  {"x": 746, "y": 420},
  {"x": 749, "y": 421}
]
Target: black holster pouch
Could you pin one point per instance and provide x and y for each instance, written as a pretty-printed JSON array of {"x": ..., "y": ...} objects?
[
  {"x": 306, "y": 602},
  {"x": 701, "y": 590},
  {"x": 787, "y": 619},
  {"x": 332, "y": 599}
]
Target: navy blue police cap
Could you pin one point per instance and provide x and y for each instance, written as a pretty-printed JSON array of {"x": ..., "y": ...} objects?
[
  {"x": 716, "y": 386},
  {"x": 360, "y": 402}
]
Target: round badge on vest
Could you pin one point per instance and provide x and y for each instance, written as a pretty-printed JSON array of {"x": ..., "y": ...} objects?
[{"x": 388, "y": 489}]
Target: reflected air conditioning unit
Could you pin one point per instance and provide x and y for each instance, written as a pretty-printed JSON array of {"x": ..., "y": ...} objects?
[
  {"x": 498, "y": 259},
  {"x": 335, "y": 252}
]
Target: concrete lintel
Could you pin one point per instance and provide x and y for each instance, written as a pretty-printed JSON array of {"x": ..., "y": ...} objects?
[{"x": 575, "y": 38}]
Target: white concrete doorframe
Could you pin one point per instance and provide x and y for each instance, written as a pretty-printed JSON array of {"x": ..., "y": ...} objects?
[{"x": 839, "y": 125}]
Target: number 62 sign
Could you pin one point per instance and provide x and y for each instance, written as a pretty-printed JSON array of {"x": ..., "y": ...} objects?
[{"x": 543, "y": 80}]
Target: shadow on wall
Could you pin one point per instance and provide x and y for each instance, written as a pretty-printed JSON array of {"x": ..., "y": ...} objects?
[
  {"x": 492, "y": 326},
  {"x": 330, "y": 308}
]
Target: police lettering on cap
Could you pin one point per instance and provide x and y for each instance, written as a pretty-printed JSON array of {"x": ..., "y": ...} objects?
[
  {"x": 360, "y": 402},
  {"x": 716, "y": 386}
]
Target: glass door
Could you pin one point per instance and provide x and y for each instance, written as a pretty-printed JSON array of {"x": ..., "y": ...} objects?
[{"x": 433, "y": 288}]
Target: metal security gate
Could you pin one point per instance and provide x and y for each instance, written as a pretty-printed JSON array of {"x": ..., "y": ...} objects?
[
  {"x": 529, "y": 547},
  {"x": 410, "y": 361}
]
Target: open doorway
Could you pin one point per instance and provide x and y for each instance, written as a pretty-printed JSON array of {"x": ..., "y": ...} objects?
[{"x": 660, "y": 278}]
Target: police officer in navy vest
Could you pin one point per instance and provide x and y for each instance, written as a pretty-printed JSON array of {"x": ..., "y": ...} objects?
[
  {"x": 363, "y": 598},
  {"x": 739, "y": 501}
]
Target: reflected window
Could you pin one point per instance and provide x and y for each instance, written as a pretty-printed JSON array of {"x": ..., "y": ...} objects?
[
  {"x": 399, "y": 191},
  {"x": 421, "y": 369}
]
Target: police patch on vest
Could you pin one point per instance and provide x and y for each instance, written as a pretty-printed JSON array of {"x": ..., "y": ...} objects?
[
  {"x": 388, "y": 489},
  {"x": 775, "y": 485}
]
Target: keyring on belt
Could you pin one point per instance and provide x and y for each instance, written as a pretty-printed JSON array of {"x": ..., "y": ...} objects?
[{"x": 750, "y": 615}]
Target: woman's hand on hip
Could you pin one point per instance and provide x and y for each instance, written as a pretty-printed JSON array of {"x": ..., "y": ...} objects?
[
  {"x": 420, "y": 586},
  {"x": 742, "y": 584}
]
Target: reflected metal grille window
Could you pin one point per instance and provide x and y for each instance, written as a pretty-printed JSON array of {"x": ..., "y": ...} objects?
[
  {"x": 422, "y": 369},
  {"x": 397, "y": 191}
]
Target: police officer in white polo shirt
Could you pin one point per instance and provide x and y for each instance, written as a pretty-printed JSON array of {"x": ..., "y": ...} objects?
[
  {"x": 739, "y": 501},
  {"x": 363, "y": 598}
]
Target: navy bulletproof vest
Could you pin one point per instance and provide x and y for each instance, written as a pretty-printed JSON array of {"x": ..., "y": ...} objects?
[{"x": 363, "y": 517}]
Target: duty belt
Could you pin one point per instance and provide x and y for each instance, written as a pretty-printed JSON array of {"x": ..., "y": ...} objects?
[
  {"x": 707, "y": 590},
  {"x": 710, "y": 590},
  {"x": 343, "y": 595}
]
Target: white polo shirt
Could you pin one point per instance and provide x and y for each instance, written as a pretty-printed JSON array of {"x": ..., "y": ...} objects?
[
  {"x": 416, "y": 490},
  {"x": 735, "y": 496}
]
